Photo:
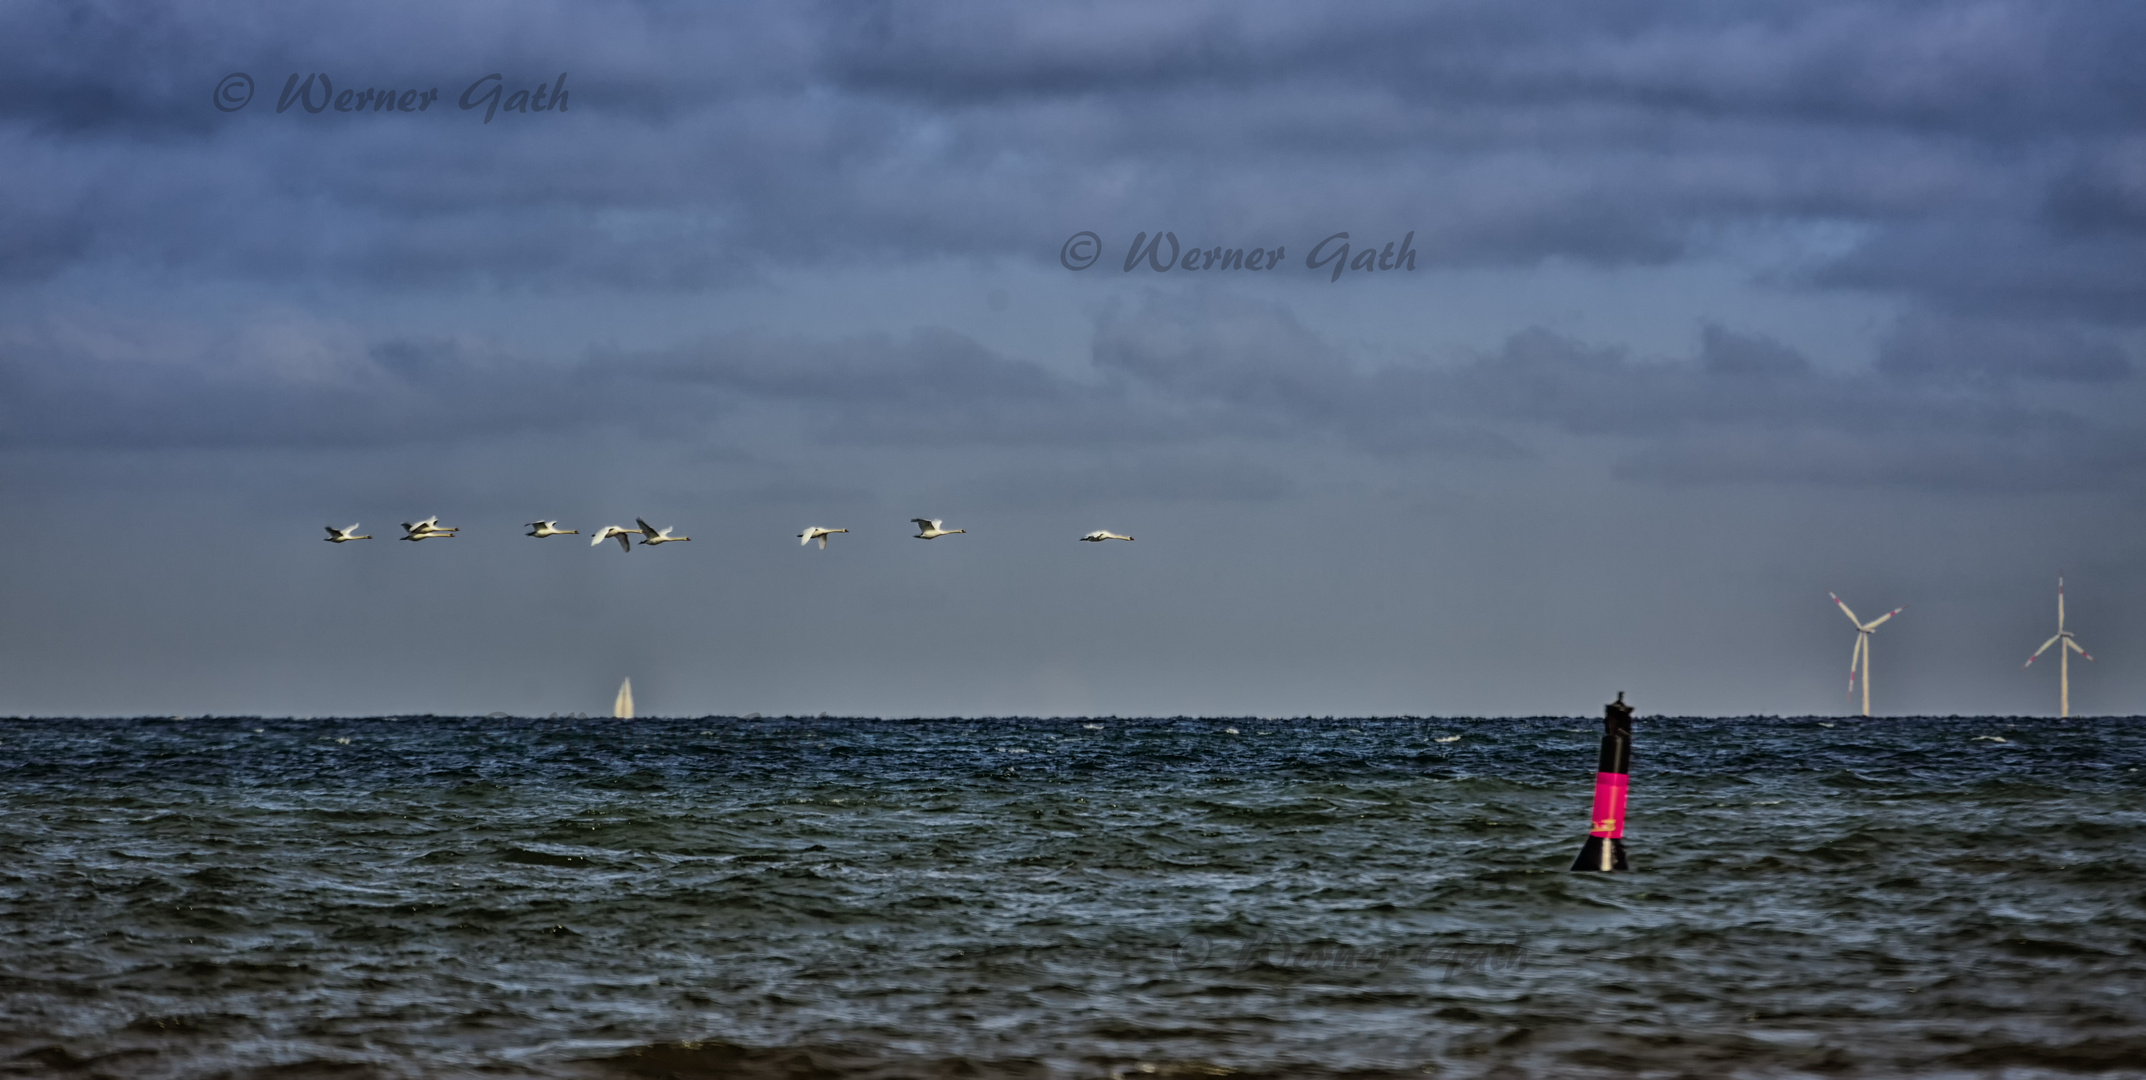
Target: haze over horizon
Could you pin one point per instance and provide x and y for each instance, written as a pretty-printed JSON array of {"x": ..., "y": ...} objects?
[{"x": 1715, "y": 311}]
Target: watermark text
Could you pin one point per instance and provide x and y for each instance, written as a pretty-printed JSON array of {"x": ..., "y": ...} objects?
[
  {"x": 315, "y": 93},
  {"x": 1162, "y": 253}
]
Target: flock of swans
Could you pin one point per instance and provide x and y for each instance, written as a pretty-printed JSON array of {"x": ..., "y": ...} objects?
[
  {"x": 431, "y": 529},
  {"x": 934, "y": 528}
]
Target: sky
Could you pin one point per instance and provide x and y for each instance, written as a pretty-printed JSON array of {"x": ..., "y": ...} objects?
[{"x": 1689, "y": 313}]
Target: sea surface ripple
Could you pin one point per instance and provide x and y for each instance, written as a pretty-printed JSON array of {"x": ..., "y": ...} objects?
[{"x": 829, "y": 898}]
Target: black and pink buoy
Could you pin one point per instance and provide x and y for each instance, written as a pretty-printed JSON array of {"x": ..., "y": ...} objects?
[{"x": 1604, "y": 849}]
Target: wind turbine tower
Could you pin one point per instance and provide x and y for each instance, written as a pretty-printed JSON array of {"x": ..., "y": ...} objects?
[
  {"x": 1860, "y": 658},
  {"x": 2063, "y": 655}
]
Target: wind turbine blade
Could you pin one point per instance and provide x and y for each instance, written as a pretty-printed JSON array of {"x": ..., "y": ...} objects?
[
  {"x": 2060, "y": 603},
  {"x": 1844, "y": 610},
  {"x": 2038, "y": 652},
  {"x": 1855, "y": 660},
  {"x": 1880, "y": 620},
  {"x": 2075, "y": 648}
]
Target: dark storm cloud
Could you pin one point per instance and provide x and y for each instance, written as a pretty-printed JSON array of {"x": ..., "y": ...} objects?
[
  {"x": 77, "y": 68},
  {"x": 1938, "y": 412},
  {"x": 1919, "y": 61},
  {"x": 71, "y": 386},
  {"x": 1172, "y": 475},
  {"x": 1979, "y": 163},
  {"x": 1179, "y": 388},
  {"x": 1983, "y": 156},
  {"x": 1222, "y": 365},
  {"x": 931, "y": 388},
  {"x": 58, "y": 389},
  {"x": 1980, "y": 349},
  {"x": 1750, "y": 409}
]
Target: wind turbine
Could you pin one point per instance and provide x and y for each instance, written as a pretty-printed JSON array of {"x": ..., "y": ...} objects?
[
  {"x": 2063, "y": 654},
  {"x": 1860, "y": 658}
]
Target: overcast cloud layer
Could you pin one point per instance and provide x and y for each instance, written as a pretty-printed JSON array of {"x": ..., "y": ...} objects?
[{"x": 1714, "y": 309}]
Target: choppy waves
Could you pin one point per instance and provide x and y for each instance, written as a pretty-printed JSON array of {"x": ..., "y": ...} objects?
[{"x": 825, "y": 898}]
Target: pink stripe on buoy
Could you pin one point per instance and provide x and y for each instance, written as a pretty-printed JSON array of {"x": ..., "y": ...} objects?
[{"x": 1610, "y": 789}]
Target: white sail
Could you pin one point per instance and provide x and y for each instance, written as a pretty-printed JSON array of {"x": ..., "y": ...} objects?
[{"x": 622, "y": 708}]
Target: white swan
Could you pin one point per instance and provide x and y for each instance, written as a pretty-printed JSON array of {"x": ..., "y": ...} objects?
[
  {"x": 342, "y": 536},
  {"x": 428, "y": 529},
  {"x": 811, "y": 533},
  {"x": 1100, "y": 535},
  {"x": 652, "y": 535},
  {"x": 614, "y": 532},
  {"x": 929, "y": 529},
  {"x": 541, "y": 529}
]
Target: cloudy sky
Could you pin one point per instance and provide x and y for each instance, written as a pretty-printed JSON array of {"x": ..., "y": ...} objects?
[{"x": 1713, "y": 309}]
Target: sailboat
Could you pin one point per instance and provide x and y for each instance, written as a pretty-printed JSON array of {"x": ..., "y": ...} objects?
[{"x": 622, "y": 706}]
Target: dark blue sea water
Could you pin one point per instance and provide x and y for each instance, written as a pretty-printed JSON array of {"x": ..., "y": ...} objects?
[{"x": 436, "y": 896}]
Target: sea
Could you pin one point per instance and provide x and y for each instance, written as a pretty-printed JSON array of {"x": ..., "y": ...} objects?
[{"x": 827, "y": 898}]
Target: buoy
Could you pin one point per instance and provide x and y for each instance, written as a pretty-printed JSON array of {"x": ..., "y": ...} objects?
[{"x": 1604, "y": 849}]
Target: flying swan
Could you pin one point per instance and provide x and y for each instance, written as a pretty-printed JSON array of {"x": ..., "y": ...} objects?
[
  {"x": 929, "y": 529},
  {"x": 615, "y": 532},
  {"x": 652, "y": 535},
  {"x": 429, "y": 529}
]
